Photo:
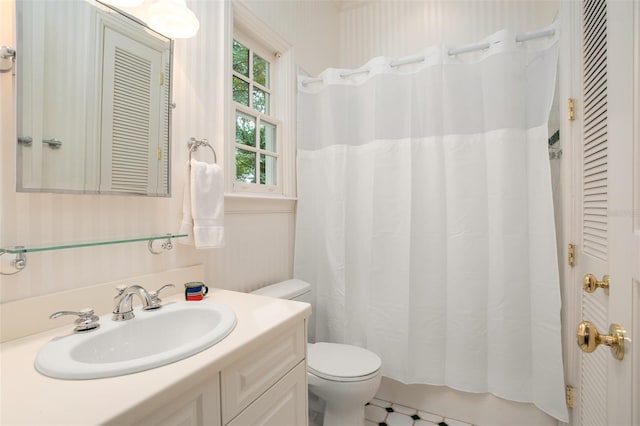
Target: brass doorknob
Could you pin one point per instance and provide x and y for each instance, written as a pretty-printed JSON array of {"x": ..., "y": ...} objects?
[
  {"x": 590, "y": 283},
  {"x": 589, "y": 338}
]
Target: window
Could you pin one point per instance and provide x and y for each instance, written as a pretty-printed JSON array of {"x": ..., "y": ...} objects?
[
  {"x": 256, "y": 128},
  {"x": 261, "y": 148}
]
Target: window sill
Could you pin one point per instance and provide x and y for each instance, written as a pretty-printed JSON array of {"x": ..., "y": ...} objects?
[{"x": 256, "y": 203}]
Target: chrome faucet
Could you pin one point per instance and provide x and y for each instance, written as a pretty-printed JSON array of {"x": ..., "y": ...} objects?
[{"x": 122, "y": 303}]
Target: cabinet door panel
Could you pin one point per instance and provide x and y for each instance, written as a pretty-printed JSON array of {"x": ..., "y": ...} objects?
[
  {"x": 251, "y": 375},
  {"x": 199, "y": 406},
  {"x": 285, "y": 404}
]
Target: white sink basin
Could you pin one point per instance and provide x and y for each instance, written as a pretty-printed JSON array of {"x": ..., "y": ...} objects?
[{"x": 151, "y": 339}]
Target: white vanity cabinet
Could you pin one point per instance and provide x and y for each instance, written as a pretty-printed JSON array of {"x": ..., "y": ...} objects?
[
  {"x": 255, "y": 375},
  {"x": 267, "y": 385}
]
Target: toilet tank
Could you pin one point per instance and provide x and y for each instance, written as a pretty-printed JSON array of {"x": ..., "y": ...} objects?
[
  {"x": 291, "y": 289},
  {"x": 294, "y": 289}
]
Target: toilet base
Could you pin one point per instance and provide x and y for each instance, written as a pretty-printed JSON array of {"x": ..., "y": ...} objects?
[
  {"x": 335, "y": 416},
  {"x": 344, "y": 401},
  {"x": 316, "y": 409}
]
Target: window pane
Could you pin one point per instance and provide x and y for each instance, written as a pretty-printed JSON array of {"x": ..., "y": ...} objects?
[
  {"x": 267, "y": 169},
  {"x": 260, "y": 71},
  {"x": 245, "y": 166},
  {"x": 245, "y": 129},
  {"x": 261, "y": 101},
  {"x": 240, "y": 91},
  {"x": 240, "y": 58},
  {"x": 267, "y": 136}
]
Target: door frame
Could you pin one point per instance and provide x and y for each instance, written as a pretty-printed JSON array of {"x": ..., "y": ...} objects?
[
  {"x": 636, "y": 218},
  {"x": 569, "y": 83},
  {"x": 627, "y": 295}
]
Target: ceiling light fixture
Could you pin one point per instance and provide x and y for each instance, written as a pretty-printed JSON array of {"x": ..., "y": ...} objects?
[
  {"x": 123, "y": 3},
  {"x": 173, "y": 19}
]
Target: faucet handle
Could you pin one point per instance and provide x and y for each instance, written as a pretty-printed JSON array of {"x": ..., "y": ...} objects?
[
  {"x": 87, "y": 320},
  {"x": 119, "y": 292},
  {"x": 155, "y": 300}
]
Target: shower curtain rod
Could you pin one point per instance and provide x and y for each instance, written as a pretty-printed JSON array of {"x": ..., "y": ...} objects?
[
  {"x": 534, "y": 35},
  {"x": 519, "y": 39}
]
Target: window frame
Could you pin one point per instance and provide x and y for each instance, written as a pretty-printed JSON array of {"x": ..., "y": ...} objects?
[
  {"x": 255, "y": 48},
  {"x": 266, "y": 43}
]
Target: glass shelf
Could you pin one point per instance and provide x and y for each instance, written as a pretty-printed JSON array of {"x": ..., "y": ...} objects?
[{"x": 63, "y": 246}]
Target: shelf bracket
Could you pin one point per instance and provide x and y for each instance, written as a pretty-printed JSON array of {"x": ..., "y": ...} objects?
[
  {"x": 7, "y": 59},
  {"x": 18, "y": 263},
  {"x": 167, "y": 245}
]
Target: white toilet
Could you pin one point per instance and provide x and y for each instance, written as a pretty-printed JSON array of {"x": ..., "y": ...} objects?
[{"x": 346, "y": 377}]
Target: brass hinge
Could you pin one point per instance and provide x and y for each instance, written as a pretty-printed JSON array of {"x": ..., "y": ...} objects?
[
  {"x": 159, "y": 154},
  {"x": 161, "y": 79},
  {"x": 571, "y": 255},
  {"x": 569, "y": 396},
  {"x": 571, "y": 108}
]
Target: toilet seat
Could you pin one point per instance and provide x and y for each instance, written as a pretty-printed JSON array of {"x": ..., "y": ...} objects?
[{"x": 342, "y": 363}]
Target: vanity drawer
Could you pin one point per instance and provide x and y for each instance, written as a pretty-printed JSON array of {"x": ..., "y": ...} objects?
[{"x": 250, "y": 376}]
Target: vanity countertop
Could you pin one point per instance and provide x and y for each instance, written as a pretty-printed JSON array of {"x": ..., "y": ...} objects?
[{"x": 29, "y": 398}]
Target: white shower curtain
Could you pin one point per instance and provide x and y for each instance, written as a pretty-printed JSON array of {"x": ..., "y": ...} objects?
[{"x": 425, "y": 218}]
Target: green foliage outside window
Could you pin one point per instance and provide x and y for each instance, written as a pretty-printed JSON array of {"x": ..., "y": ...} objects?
[
  {"x": 240, "y": 91},
  {"x": 240, "y": 58},
  {"x": 260, "y": 71},
  {"x": 243, "y": 92},
  {"x": 245, "y": 166}
]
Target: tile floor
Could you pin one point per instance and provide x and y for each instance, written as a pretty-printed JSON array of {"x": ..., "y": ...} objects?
[{"x": 386, "y": 413}]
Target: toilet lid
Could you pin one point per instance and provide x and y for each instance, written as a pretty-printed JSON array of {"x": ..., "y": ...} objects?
[{"x": 334, "y": 361}]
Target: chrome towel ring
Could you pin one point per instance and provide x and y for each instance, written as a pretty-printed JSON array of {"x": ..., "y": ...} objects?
[{"x": 194, "y": 144}]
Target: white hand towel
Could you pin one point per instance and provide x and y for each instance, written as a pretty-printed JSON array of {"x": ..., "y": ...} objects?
[
  {"x": 186, "y": 226},
  {"x": 206, "y": 206}
]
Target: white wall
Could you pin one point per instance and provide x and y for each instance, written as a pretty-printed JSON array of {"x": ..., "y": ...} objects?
[
  {"x": 402, "y": 28},
  {"x": 259, "y": 247},
  {"x": 312, "y": 26}
]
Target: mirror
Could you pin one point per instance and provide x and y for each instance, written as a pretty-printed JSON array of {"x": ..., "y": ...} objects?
[{"x": 93, "y": 100}]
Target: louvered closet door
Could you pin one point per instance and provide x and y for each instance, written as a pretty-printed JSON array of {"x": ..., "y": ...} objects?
[
  {"x": 607, "y": 242},
  {"x": 131, "y": 100},
  {"x": 164, "y": 169}
]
